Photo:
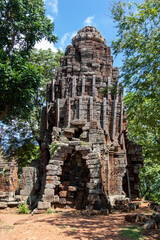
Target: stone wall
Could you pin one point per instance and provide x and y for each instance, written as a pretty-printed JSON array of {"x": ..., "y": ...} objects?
[
  {"x": 29, "y": 183},
  {"x": 8, "y": 179}
]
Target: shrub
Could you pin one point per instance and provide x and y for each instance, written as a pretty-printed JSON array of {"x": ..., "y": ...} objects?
[{"x": 23, "y": 208}]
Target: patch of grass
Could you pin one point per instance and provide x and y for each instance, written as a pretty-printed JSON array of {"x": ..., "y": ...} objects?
[
  {"x": 6, "y": 228},
  {"x": 132, "y": 232},
  {"x": 73, "y": 229},
  {"x": 63, "y": 226},
  {"x": 49, "y": 210},
  {"x": 23, "y": 208}
]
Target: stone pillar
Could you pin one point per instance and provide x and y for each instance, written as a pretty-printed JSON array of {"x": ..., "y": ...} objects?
[
  {"x": 114, "y": 115},
  {"x": 57, "y": 108},
  {"x": 91, "y": 108},
  {"x": 74, "y": 87},
  {"x": 53, "y": 90},
  {"x": 108, "y": 86},
  {"x": 93, "y": 86},
  {"x": 121, "y": 124},
  {"x": 83, "y": 85},
  {"x": 68, "y": 112},
  {"x": 80, "y": 108},
  {"x": 62, "y": 88},
  {"x": 104, "y": 113}
]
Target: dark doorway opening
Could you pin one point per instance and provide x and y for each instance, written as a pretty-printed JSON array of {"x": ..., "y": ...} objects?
[{"x": 75, "y": 176}]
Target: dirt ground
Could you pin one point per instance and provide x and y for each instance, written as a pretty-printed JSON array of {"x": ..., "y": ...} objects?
[{"x": 65, "y": 225}]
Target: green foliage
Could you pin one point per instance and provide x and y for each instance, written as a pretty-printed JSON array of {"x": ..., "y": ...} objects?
[
  {"x": 132, "y": 232},
  {"x": 20, "y": 137},
  {"x": 23, "y": 208},
  {"x": 138, "y": 37},
  {"x": 19, "y": 81},
  {"x": 53, "y": 147},
  {"x": 23, "y": 23},
  {"x": 3, "y": 172},
  {"x": 49, "y": 210}
]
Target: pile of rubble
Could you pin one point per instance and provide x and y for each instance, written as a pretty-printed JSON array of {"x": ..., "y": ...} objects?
[{"x": 148, "y": 221}]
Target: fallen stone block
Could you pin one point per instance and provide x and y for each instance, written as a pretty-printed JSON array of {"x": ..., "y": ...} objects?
[
  {"x": 44, "y": 205},
  {"x": 3, "y": 205},
  {"x": 150, "y": 224}
]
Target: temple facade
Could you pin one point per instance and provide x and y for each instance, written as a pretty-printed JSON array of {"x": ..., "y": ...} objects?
[
  {"x": 87, "y": 160},
  {"x": 84, "y": 123}
]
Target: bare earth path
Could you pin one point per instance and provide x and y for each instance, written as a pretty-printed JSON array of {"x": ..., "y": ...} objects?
[{"x": 65, "y": 225}]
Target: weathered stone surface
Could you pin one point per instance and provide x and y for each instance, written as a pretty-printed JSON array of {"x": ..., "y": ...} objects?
[
  {"x": 44, "y": 205},
  {"x": 3, "y": 205},
  {"x": 150, "y": 224},
  {"x": 89, "y": 129},
  {"x": 62, "y": 201},
  {"x": 78, "y": 122},
  {"x": 54, "y": 173},
  {"x": 69, "y": 130},
  {"x": 56, "y": 199},
  {"x": 63, "y": 194},
  {"x": 49, "y": 192},
  {"x": 72, "y": 188},
  {"x": 50, "y": 186},
  {"x": 83, "y": 148},
  {"x": 53, "y": 167}
]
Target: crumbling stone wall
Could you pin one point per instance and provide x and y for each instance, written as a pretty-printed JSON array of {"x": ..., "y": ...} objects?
[
  {"x": 29, "y": 182},
  {"x": 8, "y": 178}
]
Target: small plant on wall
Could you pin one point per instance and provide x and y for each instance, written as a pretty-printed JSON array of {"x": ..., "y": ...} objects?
[
  {"x": 3, "y": 174},
  {"x": 53, "y": 147}
]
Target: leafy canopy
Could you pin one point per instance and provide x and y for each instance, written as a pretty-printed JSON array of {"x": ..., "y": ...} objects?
[
  {"x": 22, "y": 24},
  {"x": 138, "y": 38},
  {"x": 21, "y": 137}
]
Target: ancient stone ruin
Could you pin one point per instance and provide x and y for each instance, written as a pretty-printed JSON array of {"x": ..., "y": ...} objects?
[{"x": 87, "y": 160}]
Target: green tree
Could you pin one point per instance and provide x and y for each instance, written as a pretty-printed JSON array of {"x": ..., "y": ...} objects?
[
  {"x": 22, "y": 24},
  {"x": 48, "y": 61},
  {"x": 23, "y": 135},
  {"x": 138, "y": 38}
]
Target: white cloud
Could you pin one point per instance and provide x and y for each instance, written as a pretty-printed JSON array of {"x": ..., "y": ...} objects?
[
  {"x": 53, "y": 5},
  {"x": 44, "y": 45},
  {"x": 66, "y": 40},
  {"x": 50, "y": 17},
  {"x": 89, "y": 21}
]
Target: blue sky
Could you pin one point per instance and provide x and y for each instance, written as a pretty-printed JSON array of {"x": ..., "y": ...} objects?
[{"x": 69, "y": 16}]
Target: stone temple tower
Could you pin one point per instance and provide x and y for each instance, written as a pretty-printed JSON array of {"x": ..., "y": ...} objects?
[{"x": 91, "y": 162}]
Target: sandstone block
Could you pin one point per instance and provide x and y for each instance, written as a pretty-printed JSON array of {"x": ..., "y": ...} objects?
[
  {"x": 3, "y": 205},
  {"x": 44, "y": 205},
  {"x": 48, "y": 198},
  {"x": 150, "y": 224},
  {"x": 63, "y": 194},
  {"x": 50, "y": 186},
  {"x": 56, "y": 199},
  {"x": 53, "y": 167},
  {"x": 72, "y": 188},
  {"x": 49, "y": 192},
  {"x": 62, "y": 201},
  {"x": 79, "y": 122},
  {"x": 83, "y": 148},
  {"x": 54, "y": 173}
]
